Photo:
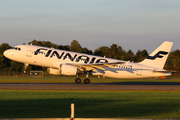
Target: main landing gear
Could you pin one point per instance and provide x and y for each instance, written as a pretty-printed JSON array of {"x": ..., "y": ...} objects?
[
  {"x": 78, "y": 80},
  {"x": 86, "y": 80}
]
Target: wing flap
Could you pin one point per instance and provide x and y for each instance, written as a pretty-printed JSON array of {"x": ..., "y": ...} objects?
[{"x": 96, "y": 66}]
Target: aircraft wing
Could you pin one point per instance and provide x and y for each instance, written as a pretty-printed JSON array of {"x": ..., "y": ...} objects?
[{"x": 94, "y": 67}]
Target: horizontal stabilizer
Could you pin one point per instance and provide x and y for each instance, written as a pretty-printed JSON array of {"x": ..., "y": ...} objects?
[{"x": 163, "y": 71}]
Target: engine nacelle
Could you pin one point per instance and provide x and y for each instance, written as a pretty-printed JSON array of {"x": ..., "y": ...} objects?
[
  {"x": 68, "y": 69},
  {"x": 63, "y": 70},
  {"x": 53, "y": 71}
]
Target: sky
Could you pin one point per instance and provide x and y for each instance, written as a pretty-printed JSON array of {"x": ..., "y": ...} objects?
[{"x": 131, "y": 24}]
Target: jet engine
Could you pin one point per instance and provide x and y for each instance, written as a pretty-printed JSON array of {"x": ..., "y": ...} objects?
[{"x": 63, "y": 70}]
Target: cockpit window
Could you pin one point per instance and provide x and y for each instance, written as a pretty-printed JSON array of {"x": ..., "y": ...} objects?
[{"x": 16, "y": 48}]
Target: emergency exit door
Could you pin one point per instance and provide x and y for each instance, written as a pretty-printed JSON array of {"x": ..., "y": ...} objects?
[{"x": 29, "y": 51}]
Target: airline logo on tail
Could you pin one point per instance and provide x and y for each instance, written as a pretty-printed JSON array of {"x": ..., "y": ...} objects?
[{"x": 158, "y": 55}]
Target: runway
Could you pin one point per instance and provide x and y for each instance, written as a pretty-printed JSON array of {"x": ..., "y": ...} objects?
[{"x": 146, "y": 86}]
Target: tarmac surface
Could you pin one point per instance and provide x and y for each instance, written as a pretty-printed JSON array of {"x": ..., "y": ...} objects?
[{"x": 146, "y": 86}]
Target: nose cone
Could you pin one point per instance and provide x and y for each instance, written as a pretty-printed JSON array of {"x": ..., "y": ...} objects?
[{"x": 8, "y": 53}]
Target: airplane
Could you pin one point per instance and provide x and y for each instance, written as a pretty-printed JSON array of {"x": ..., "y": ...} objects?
[{"x": 61, "y": 62}]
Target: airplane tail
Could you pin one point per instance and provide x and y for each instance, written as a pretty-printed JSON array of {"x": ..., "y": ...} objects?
[{"x": 159, "y": 56}]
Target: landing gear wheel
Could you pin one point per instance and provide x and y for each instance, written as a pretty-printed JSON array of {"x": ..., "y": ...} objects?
[
  {"x": 86, "y": 81},
  {"x": 78, "y": 80}
]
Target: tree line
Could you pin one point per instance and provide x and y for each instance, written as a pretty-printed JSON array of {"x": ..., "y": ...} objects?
[{"x": 114, "y": 51}]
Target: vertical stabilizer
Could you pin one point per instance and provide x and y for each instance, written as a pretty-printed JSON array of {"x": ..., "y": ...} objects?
[{"x": 159, "y": 56}]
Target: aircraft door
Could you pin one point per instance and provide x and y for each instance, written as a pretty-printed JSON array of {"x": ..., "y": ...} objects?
[
  {"x": 139, "y": 70},
  {"x": 29, "y": 51}
]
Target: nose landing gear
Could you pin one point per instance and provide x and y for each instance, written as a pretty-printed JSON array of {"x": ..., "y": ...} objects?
[{"x": 25, "y": 67}]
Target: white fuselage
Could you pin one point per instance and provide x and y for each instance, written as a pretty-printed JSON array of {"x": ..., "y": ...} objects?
[{"x": 52, "y": 58}]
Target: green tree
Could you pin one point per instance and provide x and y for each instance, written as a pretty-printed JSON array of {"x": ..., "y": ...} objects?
[
  {"x": 64, "y": 47},
  {"x": 75, "y": 46},
  {"x": 173, "y": 60},
  {"x": 54, "y": 46},
  {"x": 44, "y": 44},
  {"x": 4, "y": 47},
  {"x": 47, "y": 44},
  {"x": 102, "y": 51},
  {"x": 50, "y": 45},
  {"x": 140, "y": 55},
  {"x": 4, "y": 62},
  {"x": 98, "y": 52},
  {"x": 35, "y": 42},
  {"x": 121, "y": 53},
  {"x": 113, "y": 51},
  {"x": 176, "y": 55},
  {"x": 87, "y": 51},
  {"x": 130, "y": 55},
  {"x": 16, "y": 66}
]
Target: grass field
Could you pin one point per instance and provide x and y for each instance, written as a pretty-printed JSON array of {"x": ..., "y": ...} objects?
[
  {"x": 70, "y": 79},
  {"x": 89, "y": 104}
]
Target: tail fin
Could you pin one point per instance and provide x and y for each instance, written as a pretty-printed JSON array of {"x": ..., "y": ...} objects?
[{"x": 159, "y": 56}]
